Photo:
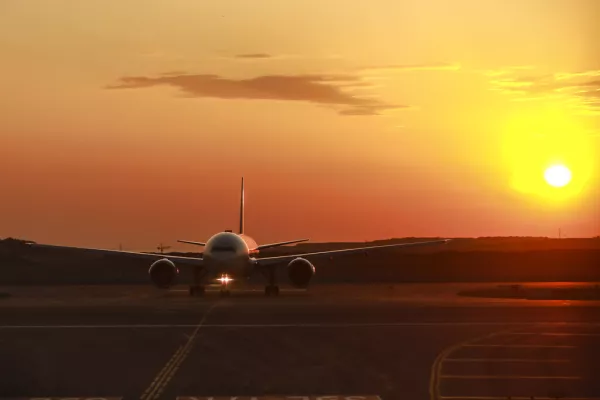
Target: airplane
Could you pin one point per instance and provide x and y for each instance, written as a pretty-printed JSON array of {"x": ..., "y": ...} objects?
[{"x": 229, "y": 256}]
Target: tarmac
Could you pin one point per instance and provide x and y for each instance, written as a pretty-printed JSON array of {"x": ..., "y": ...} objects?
[{"x": 412, "y": 341}]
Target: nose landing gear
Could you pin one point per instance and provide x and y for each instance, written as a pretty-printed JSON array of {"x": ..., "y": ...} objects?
[{"x": 225, "y": 280}]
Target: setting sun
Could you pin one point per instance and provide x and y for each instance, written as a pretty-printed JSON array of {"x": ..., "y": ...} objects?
[
  {"x": 546, "y": 149},
  {"x": 558, "y": 175}
]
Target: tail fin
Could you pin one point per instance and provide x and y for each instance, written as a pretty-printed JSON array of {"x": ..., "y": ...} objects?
[{"x": 242, "y": 209}]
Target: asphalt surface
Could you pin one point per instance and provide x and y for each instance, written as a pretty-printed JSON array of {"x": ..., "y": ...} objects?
[{"x": 299, "y": 345}]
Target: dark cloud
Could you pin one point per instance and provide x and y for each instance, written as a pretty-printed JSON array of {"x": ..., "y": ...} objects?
[
  {"x": 333, "y": 90},
  {"x": 254, "y": 56}
]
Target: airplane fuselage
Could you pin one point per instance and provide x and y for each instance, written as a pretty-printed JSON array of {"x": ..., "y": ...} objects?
[{"x": 228, "y": 253}]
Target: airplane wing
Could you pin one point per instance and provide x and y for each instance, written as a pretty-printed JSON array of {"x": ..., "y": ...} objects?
[
  {"x": 192, "y": 242},
  {"x": 268, "y": 246},
  {"x": 179, "y": 260},
  {"x": 329, "y": 253}
]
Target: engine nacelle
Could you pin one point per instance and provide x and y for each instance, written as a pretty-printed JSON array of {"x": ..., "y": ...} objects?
[
  {"x": 163, "y": 273},
  {"x": 300, "y": 272}
]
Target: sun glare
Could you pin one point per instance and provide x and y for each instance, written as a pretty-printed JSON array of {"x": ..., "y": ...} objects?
[
  {"x": 558, "y": 175},
  {"x": 547, "y": 150}
]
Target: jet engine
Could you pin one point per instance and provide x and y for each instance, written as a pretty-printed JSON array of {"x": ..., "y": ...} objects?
[
  {"x": 300, "y": 272},
  {"x": 163, "y": 273}
]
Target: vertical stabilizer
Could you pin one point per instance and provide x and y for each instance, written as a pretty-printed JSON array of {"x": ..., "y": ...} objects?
[{"x": 242, "y": 209}]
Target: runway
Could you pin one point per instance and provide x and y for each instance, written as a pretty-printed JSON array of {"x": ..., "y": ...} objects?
[{"x": 164, "y": 347}]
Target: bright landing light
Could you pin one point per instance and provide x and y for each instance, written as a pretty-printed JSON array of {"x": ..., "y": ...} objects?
[
  {"x": 558, "y": 175},
  {"x": 224, "y": 280}
]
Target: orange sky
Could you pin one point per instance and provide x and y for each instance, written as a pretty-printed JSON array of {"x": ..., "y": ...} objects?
[{"x": 131, "y": 122}]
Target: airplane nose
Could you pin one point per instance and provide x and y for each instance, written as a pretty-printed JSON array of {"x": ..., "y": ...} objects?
[{"x": 224, "y": 261}]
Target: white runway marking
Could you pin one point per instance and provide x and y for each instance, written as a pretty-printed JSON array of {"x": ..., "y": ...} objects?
[
  {"x": 512, "y": 397},
  {"x": 61, "y": 398},
  {"x": 166, "y": 374},
  {"x": 553, "y": 333},
  {"x": 281, "y": 397},
  {"x": 533, "y": 346},
  {"x": 507, "y": 360},
  {"x": 311, "y": 325},
  {"x": 507, "y": 377}
]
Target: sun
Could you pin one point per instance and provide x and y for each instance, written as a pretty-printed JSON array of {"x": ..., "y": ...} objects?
[{"x": 558, "y": 175}]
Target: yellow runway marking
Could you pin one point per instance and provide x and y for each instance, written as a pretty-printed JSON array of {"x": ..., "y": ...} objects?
[
  {"x": 168, "y": 371},
  {"x": 436, "y": 368}
]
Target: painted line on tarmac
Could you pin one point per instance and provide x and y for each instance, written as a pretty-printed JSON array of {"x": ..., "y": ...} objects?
[
  {"x": 554, "y": 333},
  {"x": 509, "y": 377},
  {"x": 298, "y": 325},
  {"x": 168, "y": 371},
  {"x": 282, "y": 397},
  {"x": 436, "y": 368},
  {"x": 61, "y": 398},
  {"x": 512, "y": 397},
  {"x": 507, "y": 360},
  {"x": 532, "y": 346}
]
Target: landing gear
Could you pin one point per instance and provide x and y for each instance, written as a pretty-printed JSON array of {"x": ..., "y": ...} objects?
[
  {"x": 196, "y": 290},
  {"x": 271, "y": 290}
]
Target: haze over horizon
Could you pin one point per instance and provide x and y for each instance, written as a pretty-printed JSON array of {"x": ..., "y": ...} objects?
[{"x": 132, "y": 122}]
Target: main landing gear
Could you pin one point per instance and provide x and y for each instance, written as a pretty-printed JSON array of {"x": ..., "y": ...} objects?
[
  {"x": 197, "y": 289},
  {"x": 271, "y": 289}
]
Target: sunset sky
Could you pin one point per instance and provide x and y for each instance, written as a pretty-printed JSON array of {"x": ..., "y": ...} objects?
[{"x": 132, "y": 121}]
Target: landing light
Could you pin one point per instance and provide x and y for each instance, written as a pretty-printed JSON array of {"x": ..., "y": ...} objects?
[{"x": 224, "y": 280}]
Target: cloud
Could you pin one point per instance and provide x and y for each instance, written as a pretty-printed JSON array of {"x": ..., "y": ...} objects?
[
  {"x": 571, "y": 89},
  {"x": 172, "y": 73},
  {"x": 506, "y": 70},
  {"x": 331, "y": 90},
  {"x": 562, "y": 76},
  {"x": 248, "y": 57},
  {"x": 370, "y": 110},
  {"x": 253, "y": 56},
  {"x": 519, "y": 85},
  {"x": 411, "y": 67}
]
